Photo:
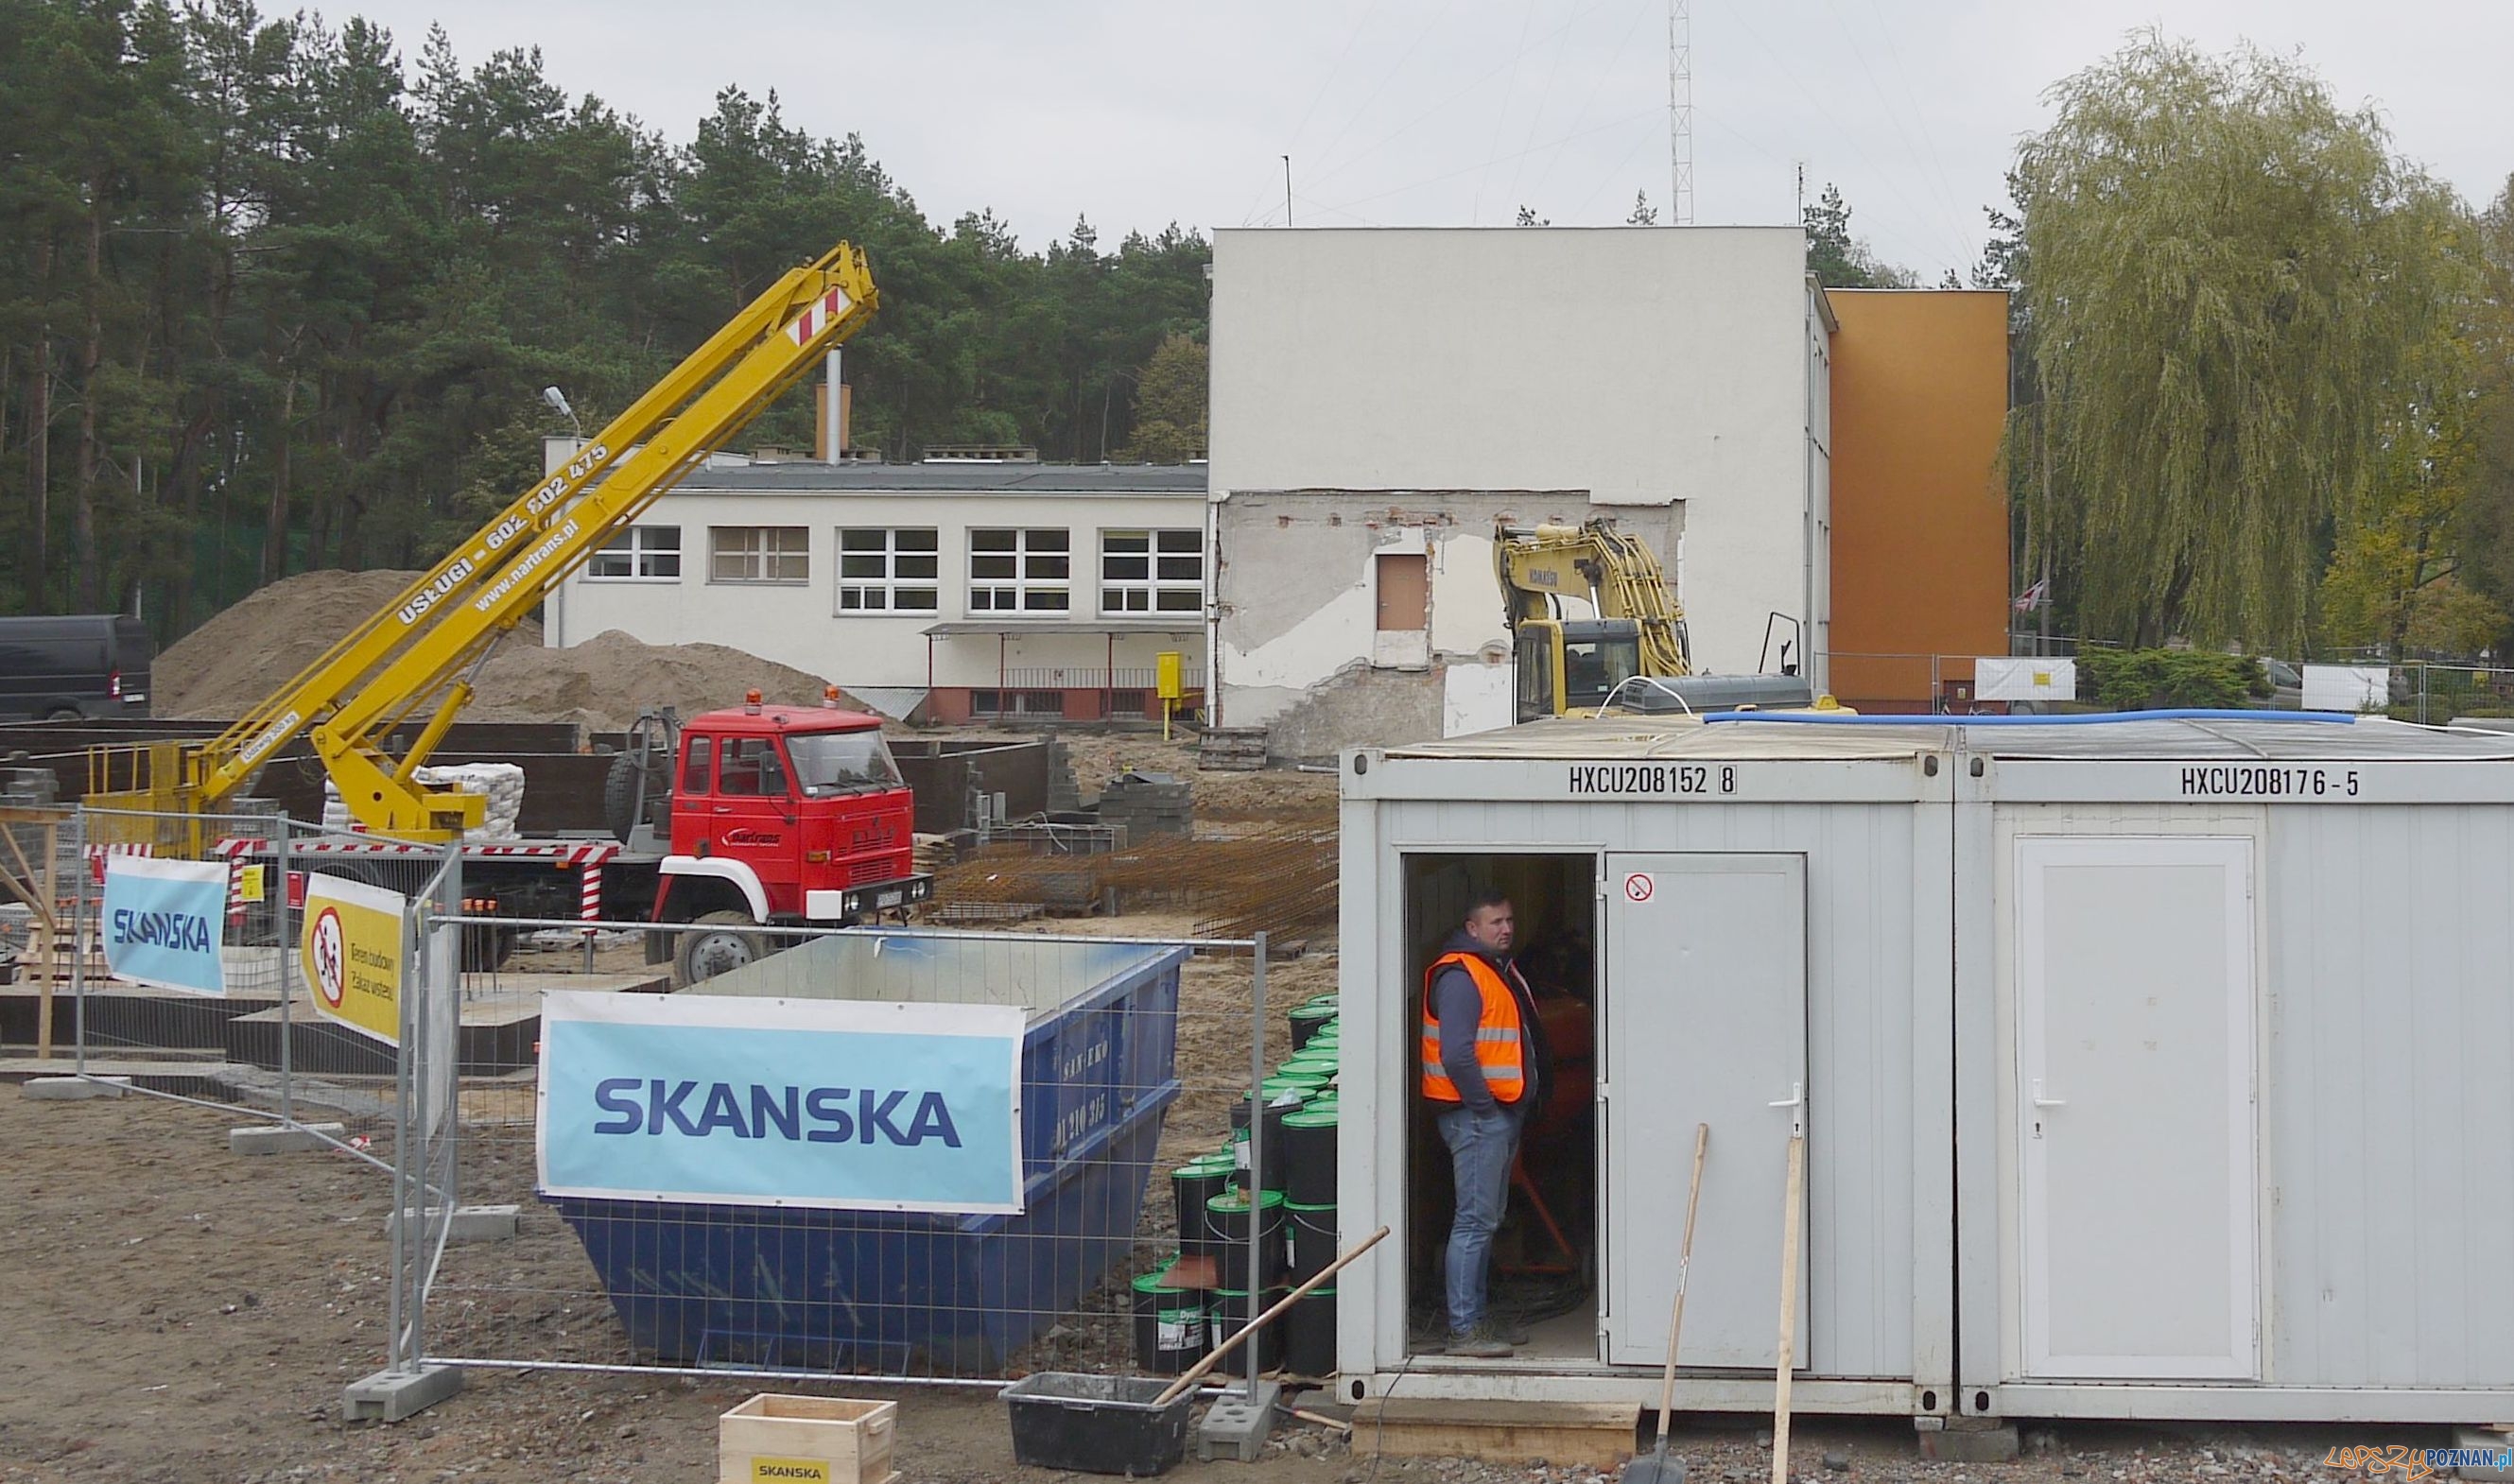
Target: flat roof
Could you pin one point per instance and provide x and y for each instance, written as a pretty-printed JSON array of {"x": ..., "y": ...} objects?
[
  {"x": 2132, "y": 736},
  {"x": 808, "y": 477}
]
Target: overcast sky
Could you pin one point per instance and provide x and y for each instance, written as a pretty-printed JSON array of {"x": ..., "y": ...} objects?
[{"x": 1449, "y": 112}]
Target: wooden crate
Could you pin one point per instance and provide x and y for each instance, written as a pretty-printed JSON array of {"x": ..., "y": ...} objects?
[{"x": 773, "y": 1439}]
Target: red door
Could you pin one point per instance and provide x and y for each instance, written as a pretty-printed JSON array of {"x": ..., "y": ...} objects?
[{"x": 751, "y": 817}]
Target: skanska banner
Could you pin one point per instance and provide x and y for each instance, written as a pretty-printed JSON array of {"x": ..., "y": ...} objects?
[
  {"x": 717, "y": 1100},
  {"x": 163, "y": 922}
]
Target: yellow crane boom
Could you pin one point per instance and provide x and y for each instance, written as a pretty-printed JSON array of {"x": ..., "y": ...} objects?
[{"x": 422, "y": 649}]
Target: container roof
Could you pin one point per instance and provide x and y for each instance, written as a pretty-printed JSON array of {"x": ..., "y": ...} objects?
[{"x": 2132, "y": 736}]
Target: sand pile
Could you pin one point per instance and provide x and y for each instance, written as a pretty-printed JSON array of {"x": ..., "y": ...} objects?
[{"x": 223, "y": 669}]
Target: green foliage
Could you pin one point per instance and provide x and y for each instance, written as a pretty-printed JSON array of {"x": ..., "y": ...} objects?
[
  {"x": 1837, "y": 258},
  {"x": 2159, "y": 679},
  {"x": 1169, "y": 403},
  {"x": 2227, "y": 279},
  {"x": 274, "y": 300}
]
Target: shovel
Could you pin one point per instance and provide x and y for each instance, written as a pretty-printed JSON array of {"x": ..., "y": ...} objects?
[{"x": 1658, "y": 1468}]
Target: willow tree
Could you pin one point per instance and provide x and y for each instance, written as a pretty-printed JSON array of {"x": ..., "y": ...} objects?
[{"x": 2229, "y": 275}]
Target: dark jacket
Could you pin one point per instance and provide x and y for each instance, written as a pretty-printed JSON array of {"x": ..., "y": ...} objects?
[{"x": 1459, "y": 1006}]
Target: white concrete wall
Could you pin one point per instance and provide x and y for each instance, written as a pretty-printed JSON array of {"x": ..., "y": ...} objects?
[
  {"x": 1623, "y": 371},
  {"x": 802, "y": 625}
]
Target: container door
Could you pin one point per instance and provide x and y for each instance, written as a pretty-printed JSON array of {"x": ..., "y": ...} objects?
[
  {"x": 2135, "y": 1076},
  {"x": 1703, "y": 1012}
]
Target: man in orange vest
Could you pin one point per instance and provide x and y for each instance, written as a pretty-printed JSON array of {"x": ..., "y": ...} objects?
[{"x": 1482, "y": 1071}]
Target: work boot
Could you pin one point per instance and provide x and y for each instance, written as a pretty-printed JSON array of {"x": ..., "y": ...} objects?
[{"x": 1481, "y": 1342}]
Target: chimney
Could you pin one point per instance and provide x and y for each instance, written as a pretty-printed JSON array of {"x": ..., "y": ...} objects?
[{"x": 831, "y": 429}]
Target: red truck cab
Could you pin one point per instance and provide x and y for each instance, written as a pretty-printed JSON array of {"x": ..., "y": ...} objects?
[{"x": 786, "y": 814}]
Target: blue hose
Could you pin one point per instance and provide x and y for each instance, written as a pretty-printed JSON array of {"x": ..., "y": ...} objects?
[{"x": 2071, "y": 719}]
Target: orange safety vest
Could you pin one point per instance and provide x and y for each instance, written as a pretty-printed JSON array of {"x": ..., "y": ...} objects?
[{"x": 1500, "y": 1053}]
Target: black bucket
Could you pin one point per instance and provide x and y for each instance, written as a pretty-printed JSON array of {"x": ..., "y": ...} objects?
[
  {"x": 1309, "y": 1336},
  {"x": 1309, "y": 1158},
  {"x": 1228, "y": 1216},
  {"x": 1306, "y": 1019},
  {"x": 1173, "y": 1329},
  {"x": 1314, "y": 1240},
  {"x": 1271, "y": 1146},
  {"x": 1230, "y": 1313},
  {"x": 1192, "y": 1185}
]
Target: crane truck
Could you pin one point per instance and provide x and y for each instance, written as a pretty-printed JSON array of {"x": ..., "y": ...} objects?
[
  {"x": 1633, "y": 652},
  {"x": 776, "y": 814}
]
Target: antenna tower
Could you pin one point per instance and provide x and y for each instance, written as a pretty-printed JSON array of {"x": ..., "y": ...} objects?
[{"x": 1680, "y": 112}]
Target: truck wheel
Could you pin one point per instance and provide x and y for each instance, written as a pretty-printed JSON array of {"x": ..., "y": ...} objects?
[{"x": 718, "y": 943}]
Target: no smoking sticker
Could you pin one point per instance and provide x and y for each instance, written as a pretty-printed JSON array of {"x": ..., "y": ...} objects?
[{"x": 1639, "y": 887}]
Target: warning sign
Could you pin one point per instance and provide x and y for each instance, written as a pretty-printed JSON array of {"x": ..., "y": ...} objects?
[
  {"x": 1639, "y": 887},
  {"x": 353, "y": 949}
]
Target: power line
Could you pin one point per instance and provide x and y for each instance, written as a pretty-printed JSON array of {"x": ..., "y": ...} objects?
[{"x": 1526, "y": 19}]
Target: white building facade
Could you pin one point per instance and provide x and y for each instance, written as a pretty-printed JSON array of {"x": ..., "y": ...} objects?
[
  {"x": 954, "y": 592},
  {"x": 1381, "y": 397}
]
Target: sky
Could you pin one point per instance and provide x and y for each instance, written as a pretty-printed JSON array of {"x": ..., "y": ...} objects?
[{"x": 1137, "y": 113}]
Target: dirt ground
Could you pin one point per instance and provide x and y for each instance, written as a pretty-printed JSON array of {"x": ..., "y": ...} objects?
[{"x": 174, "y": 1312}]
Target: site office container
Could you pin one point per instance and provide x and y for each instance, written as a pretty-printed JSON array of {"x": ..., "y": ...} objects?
[
  {"x": 1772, "y": 936},
  {"x": 2235, "y": 1057},
  {"x": 2208, "y": 1018}
]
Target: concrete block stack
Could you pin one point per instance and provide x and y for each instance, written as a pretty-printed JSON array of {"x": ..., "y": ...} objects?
[
  {"x": 1232, "y": 749},
  {"x": 1147, "y": 804},
  {"x": 1064, "y": 790}
]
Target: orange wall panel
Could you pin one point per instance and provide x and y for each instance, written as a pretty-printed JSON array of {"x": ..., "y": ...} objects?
[{"x": 1920, "y": 519}]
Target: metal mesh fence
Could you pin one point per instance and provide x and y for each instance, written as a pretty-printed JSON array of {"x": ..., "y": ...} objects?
[
  {"x": 1135, "y": 1063},
  {"x": 257, "y": 1044}
]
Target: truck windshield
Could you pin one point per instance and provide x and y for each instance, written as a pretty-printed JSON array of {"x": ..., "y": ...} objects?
[
  {"x": 1592, "y": 667},
  {"x": 841, "y": 762}
]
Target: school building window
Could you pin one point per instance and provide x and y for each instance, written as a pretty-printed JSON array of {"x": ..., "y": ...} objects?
[
  {"x": 1023, "y": 570},
  {"x": 640, "y": 553},
  {"x": 1151, "y": 571},
  {"x": 889, "y": 571},
  {"x": 758, "y": 554}
]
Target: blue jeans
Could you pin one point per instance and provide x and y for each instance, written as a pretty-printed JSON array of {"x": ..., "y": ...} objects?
[{"x": 1482, "y": 1147}]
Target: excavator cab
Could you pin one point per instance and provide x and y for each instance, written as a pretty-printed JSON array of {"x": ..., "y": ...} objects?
[{"x": 1571, "y": 666}]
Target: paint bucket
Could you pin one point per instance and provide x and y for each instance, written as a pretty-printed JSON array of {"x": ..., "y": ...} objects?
[
  {"x": 1314, "y": 1239},
  {"x": 1173, "y": 1329},
  {"x": 1228, "y": 1214},
  {"x": 1192, "y": 1185},
  {"x": 1280, "y": 1102},
  {"x": 1309, "y": 1333},
  {"x": 1310, "y": 1157},
  {"x": 1308, "y": 1018},
  {"x": 1232, "y": 1310}
]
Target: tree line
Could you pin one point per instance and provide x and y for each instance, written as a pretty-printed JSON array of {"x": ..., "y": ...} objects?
[
  {"x": 276, "y": 297},
  {"x": 2263, "y": 367}
]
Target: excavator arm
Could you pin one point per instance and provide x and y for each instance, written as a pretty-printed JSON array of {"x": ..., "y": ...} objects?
[
  {"x": 420, "y": 651},
  {"x": 1618, "y": 574}
]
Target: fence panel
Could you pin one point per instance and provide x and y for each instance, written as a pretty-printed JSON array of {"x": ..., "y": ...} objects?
[
  {"x": 260, "y": 1047},
  {"x": 1133, "y": 1055}
]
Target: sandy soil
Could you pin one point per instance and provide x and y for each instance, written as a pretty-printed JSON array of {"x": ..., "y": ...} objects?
[
  {"x": 223, "y": 669},
  {"x": 177, "y": 1313}
]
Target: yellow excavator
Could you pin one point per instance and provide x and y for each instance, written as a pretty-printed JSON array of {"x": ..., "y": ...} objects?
[{"x": 1634, "y": 655}]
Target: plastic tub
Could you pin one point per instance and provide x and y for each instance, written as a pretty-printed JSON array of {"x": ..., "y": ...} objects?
[{"x": 1097, "y": 1423}]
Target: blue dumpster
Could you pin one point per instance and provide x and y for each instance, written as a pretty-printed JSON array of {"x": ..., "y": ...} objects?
[{"x": 920, "y": 1294}]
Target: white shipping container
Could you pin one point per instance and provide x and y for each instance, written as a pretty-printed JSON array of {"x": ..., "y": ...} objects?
[{"x": 2207, "y": 1018}]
